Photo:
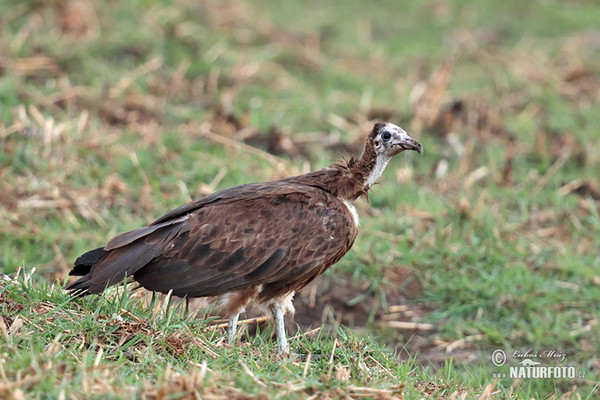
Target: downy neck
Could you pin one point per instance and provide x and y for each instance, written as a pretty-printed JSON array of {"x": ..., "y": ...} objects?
[{"x": 349, "y": 180}]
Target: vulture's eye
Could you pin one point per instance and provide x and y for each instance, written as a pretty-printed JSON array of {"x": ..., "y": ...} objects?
[{"x": 386, "y": 136}]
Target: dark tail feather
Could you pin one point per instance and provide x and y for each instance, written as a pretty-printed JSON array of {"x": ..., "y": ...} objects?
[
  {"x": 102, "y": 268},
  {"x": 83, "y": 266},
  {"x": 85, "y": 262}
]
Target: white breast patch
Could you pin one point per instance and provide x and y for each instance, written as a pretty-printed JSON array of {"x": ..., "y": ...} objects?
[{"x": 353, "y": 212}]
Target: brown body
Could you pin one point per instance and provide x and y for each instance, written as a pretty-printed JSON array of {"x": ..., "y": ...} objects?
[{"x": 256, "y": 242}]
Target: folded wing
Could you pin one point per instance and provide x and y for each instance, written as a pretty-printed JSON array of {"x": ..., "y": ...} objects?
[{"x": 277, "y": 236}]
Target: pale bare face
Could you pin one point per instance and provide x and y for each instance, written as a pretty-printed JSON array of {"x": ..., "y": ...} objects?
[{"x": 391, "y": 140}]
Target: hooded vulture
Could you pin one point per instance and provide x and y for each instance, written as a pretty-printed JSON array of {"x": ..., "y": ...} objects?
[{"x": 257, "y": 243}]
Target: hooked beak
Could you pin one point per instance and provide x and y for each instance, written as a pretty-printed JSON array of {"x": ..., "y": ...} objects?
[{"x": 405, "y": 142}]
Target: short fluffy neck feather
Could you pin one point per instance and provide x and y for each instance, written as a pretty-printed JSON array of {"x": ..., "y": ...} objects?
[{"x": 348, "y": 180}]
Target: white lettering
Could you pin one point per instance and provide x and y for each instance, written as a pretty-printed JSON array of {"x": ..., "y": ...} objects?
[{"x": 542, "y": 372}]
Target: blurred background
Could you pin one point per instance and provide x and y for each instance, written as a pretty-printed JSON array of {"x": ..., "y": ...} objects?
[{"x": 114, "y": 112}]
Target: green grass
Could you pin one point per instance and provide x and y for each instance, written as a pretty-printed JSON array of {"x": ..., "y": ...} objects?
[
  {"x": 116, "y": 347},
  {"x": 102, "y": 120}
]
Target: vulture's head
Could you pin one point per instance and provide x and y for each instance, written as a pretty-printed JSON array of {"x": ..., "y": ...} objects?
[
  {"x": 388, "y": 140},
  {"x": 384, "y": 142}
]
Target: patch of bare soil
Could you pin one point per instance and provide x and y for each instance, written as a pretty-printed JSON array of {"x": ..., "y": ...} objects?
[
  {"x": 342, "y": 300},
  {"x": 331, "y": 302}
]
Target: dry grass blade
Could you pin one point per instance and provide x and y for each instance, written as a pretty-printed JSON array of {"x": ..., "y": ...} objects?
[
  {"x": 363, "y": 391},
  {"x": 330, "y": 363},
  {"x": 201, "y": 344},
  {"x": 489, "y": 393},
  {"x": 384, "y": 369},
  {"x": 4, "y": 330},
  {"x": 130, "y": 314},
  {"x": 249, "y": 321},
  {"x": 278, "y": 163},
  {"x": 29, "y": 65},
  {"x": 251, "y": 375},
  {"x": 144, "y": 69},
  {"x": 581, "y": 187},
  {"x": 311, "y": 332},
  {"x": 306, "y": 364},
  {"x": 417, "y": 326},
  {"x": 428, "y": 101},
  {"x": 554, "y": 168},
  {"x": 6, "y": 388}
]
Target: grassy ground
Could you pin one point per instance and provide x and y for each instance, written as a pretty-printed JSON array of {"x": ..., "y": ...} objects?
[{"x": 112, "y": 113}]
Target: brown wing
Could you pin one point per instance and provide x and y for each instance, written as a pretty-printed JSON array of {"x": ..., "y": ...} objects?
[
  {"x": 280, "y": 239},
  {"x": 183, "y": 212},
  {"x": 279, "y": 235}
]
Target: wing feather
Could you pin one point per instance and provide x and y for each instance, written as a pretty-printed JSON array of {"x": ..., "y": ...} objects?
[
  {"x": 123, "y": 239},
  {"x": 279, "y": 235},
  {"x": 254, "y": 241}
]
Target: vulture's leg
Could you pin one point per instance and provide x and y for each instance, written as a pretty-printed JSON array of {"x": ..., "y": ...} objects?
[
  {"x": 282, "y": 343},
  {"x": 232, "y": 327}
]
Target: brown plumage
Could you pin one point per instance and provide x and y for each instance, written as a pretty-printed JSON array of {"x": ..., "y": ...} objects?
[{"x": 255, "y": 243}]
